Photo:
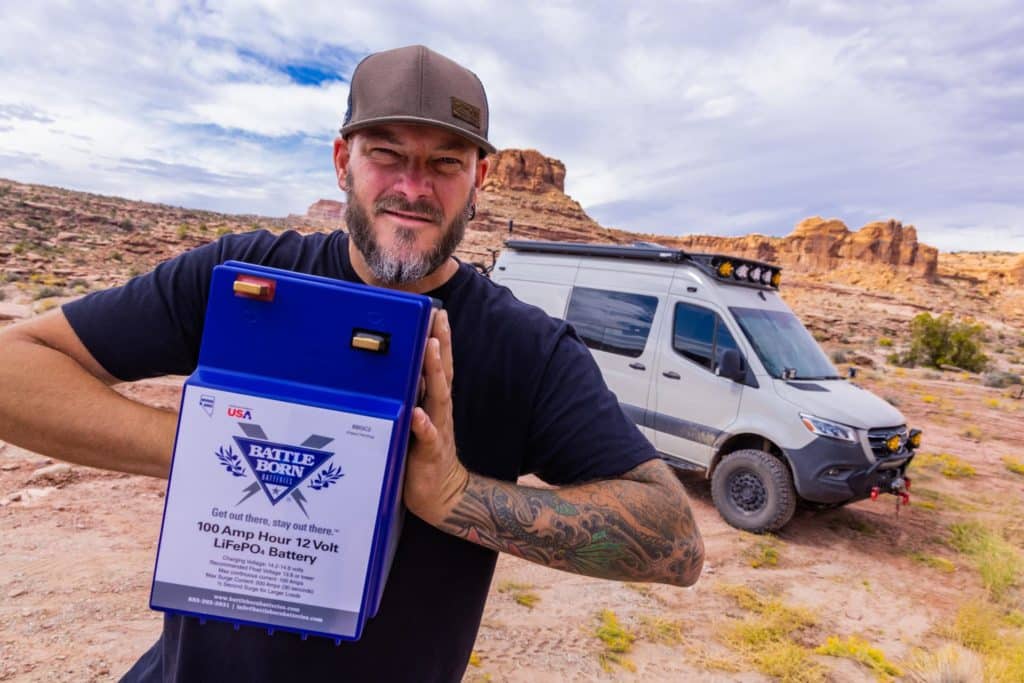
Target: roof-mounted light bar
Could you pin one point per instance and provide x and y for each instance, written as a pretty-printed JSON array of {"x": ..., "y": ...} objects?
[{"x": 739, "y": 271}]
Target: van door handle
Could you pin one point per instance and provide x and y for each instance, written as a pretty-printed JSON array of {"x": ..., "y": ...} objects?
[
  {"x": 671, "y": 374},
  {"x": 638, "y": 366}
]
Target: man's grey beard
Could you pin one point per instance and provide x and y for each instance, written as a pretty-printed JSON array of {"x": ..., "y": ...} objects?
[{"x": 389, "y": 266}]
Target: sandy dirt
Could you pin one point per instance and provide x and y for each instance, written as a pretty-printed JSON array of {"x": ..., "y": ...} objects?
[{"x": 77, "y": 548}]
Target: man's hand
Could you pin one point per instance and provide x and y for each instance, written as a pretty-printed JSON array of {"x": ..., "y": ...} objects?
[
  {"x": 435, "y": 478},
  {"x": 636, "y": 527}
]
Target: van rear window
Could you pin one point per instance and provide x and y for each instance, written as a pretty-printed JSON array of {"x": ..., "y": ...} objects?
[{"x": 616, "y": 322}]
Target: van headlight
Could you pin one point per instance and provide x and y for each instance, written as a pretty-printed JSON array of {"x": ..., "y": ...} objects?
[{"x": 832, "y": 430}]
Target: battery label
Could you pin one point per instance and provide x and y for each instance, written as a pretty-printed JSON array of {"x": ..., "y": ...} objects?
[{"x": 270, "y": 512}]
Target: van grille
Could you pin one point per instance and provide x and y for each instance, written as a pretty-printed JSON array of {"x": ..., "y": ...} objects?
[{"x": 878, "y": 436}]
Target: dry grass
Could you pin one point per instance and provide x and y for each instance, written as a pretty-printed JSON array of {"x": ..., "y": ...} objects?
[
  {"x": 617, "y": 642},
  {"x": 860, "y": 650},
  {"x": 766, "y": 638},
  {"x": 657, "y": 629},
  {"x": 935, "y": 562},
  {"x": 1014, "y": 465},
  {"x": 972, "y": 432},
  {"x": 521, "y": 593},
  {"x": 998, "y": 562},
  {"x": 946, "y": 464},
  {"x": 764, "y": 552},
  {"x": 949, "y": 664},
  {"x": 980, "y": 627}
]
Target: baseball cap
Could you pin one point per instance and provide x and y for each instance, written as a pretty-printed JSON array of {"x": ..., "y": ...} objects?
[{"x": 417, "y": 85}]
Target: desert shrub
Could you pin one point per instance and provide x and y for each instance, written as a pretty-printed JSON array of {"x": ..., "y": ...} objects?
[
  {"x": 617, "y": 642},
  {"x": 884, "y": 341},
  {"x": 860, "y": 650},
  {"x": 948, "y": 464},
  {"x": 521, "y": 593},
  {"x": 1000, "y": 379},
  {"x": 46, "y": 292},
  {"x": 839, "y": 356},
  {"x": 768, "y": 638},
  {"x": 1013, "y": 465},
  {"x": 938, "y": 341},
  {"x": 126, "y": 225},
  {"x": 3, "y": 295},
  {"x": 998, "y": 562}
]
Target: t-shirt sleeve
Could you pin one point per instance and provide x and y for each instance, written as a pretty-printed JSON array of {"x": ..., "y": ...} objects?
[
  {"x": 152, "y": 325},
  {"x": 578, "y": 431}
]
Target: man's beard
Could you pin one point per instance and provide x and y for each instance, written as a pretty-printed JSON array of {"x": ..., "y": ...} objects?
[{"x": 392, "y": 266}]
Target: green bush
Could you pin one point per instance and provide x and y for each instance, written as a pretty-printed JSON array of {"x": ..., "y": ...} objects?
[{"x": 938, "y": 341}]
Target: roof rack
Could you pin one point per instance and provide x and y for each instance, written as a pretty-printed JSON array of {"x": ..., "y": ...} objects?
[
  {"x": 637, "y": 252},
  {"x": 727, "y": 269}
]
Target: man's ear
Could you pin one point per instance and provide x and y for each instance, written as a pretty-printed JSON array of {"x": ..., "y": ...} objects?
[
  {"x": 341, "y": 157},
  {"x": 482, "y": 166}
]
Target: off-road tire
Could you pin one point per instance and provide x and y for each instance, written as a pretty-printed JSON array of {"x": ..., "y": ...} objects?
[{"x": 753, "y": 490}]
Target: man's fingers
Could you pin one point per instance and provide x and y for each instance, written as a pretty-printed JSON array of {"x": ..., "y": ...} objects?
[
  {"x": 445, "y": 337},
  {"x": 438, "y": 388},
  {"x": 422, "y": 428}
]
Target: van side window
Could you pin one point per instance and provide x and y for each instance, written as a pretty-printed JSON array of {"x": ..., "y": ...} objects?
[
  {"x": 615, "y": 322},
  {"x": 700, "y": 335}
]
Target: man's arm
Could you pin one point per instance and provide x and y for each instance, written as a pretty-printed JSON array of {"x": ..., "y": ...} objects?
[
  {"x": 55, "y": 399},
  {"x": 637, "y": 527}
]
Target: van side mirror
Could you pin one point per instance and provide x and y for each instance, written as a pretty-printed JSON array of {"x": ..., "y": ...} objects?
[{"x": 730, "y": 365}]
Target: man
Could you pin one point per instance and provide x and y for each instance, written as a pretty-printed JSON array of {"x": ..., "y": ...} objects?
[{"x": 509, "y": 391}]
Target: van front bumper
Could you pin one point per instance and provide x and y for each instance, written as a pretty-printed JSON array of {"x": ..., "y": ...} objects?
[{"x": 832, "y": 472}]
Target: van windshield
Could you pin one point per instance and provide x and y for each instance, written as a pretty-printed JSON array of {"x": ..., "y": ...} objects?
[{"x": 784, "y": 344}]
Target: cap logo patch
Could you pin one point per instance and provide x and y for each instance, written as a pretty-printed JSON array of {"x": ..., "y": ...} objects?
[{"x": 465, "y": 111}]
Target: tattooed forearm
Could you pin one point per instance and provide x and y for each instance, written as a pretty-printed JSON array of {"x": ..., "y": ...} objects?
[{"x": 636, "y": 528}]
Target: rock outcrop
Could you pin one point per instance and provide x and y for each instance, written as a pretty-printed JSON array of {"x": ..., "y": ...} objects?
[
  {"x": 526, "y": 170},
  {"x": 826, "y": 245}
]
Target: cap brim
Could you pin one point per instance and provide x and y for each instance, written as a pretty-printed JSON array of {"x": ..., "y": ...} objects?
[{"x": 477, "y": 140}]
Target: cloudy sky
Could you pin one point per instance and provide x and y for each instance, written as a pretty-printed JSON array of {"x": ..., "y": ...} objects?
[{"x": 671, "y": 117}]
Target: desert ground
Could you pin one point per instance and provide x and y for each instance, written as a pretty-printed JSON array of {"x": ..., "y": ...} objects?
[
  {"x": 861, "y": 593},
  {"x": 905, "y": 591}
]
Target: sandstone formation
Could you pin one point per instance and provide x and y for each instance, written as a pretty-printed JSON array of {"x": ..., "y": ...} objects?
[
  {"x": 525, "y": 169},
  {"x": 825, "y": 245}
]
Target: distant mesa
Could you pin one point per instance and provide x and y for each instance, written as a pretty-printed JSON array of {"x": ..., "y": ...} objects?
[
  {"x": 525, "y": 169},
  {"x": 323, "y": 213}
]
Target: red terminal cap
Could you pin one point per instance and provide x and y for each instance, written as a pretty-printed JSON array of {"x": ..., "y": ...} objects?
[{"x": 250, "y": 287}]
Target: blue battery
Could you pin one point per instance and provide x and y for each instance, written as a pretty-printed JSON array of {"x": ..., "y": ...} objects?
[{"x": 284, "y": 502}]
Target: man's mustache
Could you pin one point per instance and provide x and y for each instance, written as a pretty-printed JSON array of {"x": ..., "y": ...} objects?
[{"x": 420, "y": 207}]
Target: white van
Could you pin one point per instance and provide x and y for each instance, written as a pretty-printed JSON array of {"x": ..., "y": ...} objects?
[{"x": 719, "y": 374}]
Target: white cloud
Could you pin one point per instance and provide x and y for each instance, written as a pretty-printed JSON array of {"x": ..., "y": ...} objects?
[{"x": 704, "y": 116}]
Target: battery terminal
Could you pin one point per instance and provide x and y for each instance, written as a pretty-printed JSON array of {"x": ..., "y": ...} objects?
[
  {"x": 249, "y": 287},
  {"x": 364, "y": 340}
]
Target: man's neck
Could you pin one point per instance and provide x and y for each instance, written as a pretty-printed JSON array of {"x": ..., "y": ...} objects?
[{"x": 441, "y": 275}]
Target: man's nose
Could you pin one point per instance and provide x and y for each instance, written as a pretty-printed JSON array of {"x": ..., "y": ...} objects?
[{"x": 414, "y": 181}]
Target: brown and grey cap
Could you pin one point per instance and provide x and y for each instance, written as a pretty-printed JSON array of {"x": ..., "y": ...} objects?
[{"x": 419, "y": 86}]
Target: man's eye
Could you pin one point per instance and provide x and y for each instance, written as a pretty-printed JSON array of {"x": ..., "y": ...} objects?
[
  {"x": 449, "y": 163},
  {"x": 383, "y": 154}
]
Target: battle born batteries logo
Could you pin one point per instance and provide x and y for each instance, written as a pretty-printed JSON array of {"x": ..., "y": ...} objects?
[{"x": 280, "y": 469}]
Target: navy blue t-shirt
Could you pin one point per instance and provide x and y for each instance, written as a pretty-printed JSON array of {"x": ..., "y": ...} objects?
[{"x": 527, "y": 398}]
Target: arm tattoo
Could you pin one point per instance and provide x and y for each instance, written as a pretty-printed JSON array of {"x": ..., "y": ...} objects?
[{"x": 637, "y": 527}]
